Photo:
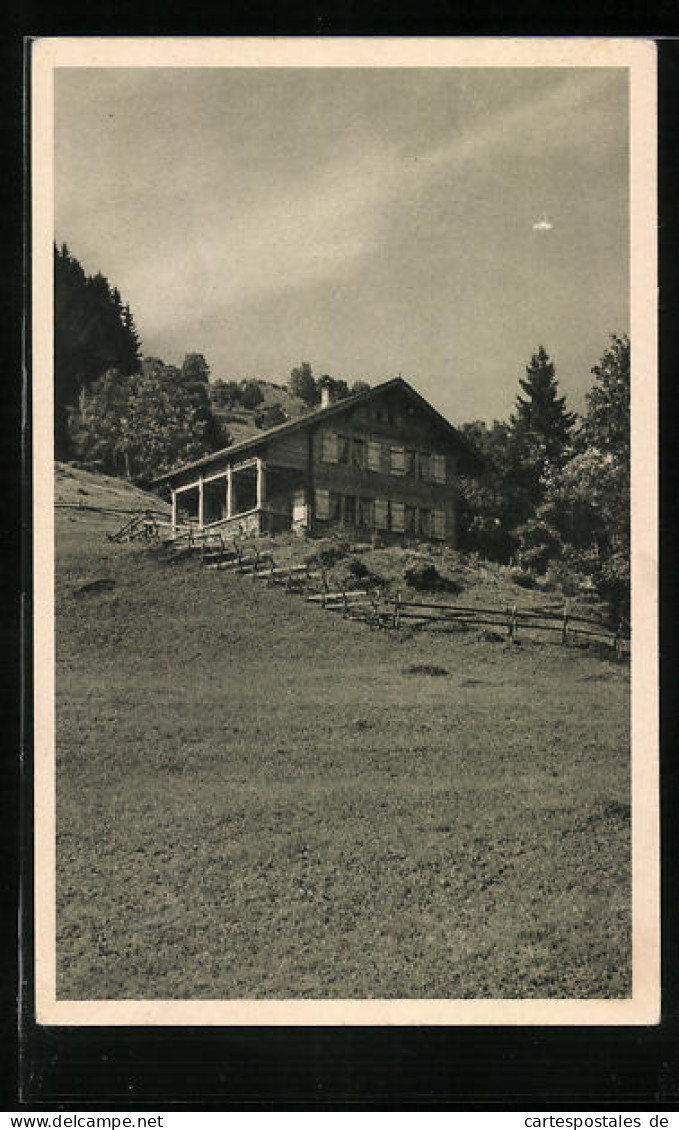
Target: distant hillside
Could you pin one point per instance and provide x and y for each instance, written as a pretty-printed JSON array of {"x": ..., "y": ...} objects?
[{"x": 241, "y": 422}]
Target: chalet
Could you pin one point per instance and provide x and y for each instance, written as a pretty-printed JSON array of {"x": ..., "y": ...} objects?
[{"x": 381, "y": 462}]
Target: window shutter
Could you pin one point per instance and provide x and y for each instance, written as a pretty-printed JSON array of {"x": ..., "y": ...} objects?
[
  {"x": 398, "y": 461},
  {"x": 438, "y": 468},
  {"x": 322, "y": 504},
  {"x": 329, "y": 449},
  {"x": 381, "y": 514},
  {"x": 374, "y": 456},
  {"x": 398, "y": 513}
]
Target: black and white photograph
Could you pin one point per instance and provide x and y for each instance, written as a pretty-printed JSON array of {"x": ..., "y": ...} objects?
[{"x": 344, "y": 491}]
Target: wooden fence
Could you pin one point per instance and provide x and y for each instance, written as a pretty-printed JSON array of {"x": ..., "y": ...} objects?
[
  {"x": 372, "y": 604},
  {"x": 381, "y": 609}
]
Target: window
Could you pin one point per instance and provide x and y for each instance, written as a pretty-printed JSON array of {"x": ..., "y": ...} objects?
[
  {"x": 424, "y": 464},
  {"x": 410, "y": 462},
  {"x": 329, "y": 447},
  {"x": 438, "y": 525},
  {"x": 381, "y": 512},
  {"x": 398, "y": 516},
  {"x": 398, "y": 461},
  {"x": 343, "y": 447},
  {"x": 323, "y": 504},
  {"x": 425, "y": 522},
  {"x": 438, "y": 468},
  {"x": 350, "y": 510},
  {"x": 362, "y": 512},
  {"x": 374, "y": 456},
  {"x": 358, "y": 452}
]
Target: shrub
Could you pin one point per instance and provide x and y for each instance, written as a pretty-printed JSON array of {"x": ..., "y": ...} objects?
[
  {"x": 270, "y": 417},
  {"x": 358, "y": 568},
  {"x": 329, "y": 555},
  {"x": 523, "y": 578},
  {"x": 539, "y": 544},
  {"x": 425, "y": 577}
]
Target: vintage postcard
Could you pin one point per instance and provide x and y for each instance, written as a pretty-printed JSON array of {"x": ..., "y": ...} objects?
[{"x": 344, "y": 432}]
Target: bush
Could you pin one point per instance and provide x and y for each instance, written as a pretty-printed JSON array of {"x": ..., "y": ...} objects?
[
  {"x": 250, "y": 394},
  {"x": 425, "y": 577},
  {"x": 358, "y": 568},
  {"x": 521, "y": 577},
  {"x": 270, "y": 417},
  {"x": 539, "y": 544},
  {"x": 329, "y": 555}
]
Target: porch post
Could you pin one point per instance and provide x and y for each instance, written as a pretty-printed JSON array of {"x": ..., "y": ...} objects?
[
  {"x": 261, "y": 484},
  {"x": 229, "y": 491},
  {"x": 201, "y": 507},
  {"x": 174, "y": 512}
]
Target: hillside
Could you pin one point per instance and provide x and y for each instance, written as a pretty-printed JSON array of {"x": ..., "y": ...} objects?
[
  {"x": 241, "y": 422},
  {"x": 257, "y": 798}
]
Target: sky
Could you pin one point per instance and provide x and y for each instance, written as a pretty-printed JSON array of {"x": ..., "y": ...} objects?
[{"x": 440, "y": 223}]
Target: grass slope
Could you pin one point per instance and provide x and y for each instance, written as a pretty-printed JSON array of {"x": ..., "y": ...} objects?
[
  {"x": 240, "y": 422},
  {"x": 258, "y": 799}
]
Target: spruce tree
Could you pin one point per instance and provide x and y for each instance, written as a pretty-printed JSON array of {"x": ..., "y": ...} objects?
[
  {"x": 94, "y": 333},
  {"x": 541, "y": 423}
]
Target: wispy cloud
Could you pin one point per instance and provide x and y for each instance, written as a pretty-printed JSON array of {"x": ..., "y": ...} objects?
[
  {"x": 235, "y": 253},
  {"x": 229, "y": 251}
]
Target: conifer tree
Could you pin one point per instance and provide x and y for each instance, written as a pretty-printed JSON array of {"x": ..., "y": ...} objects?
[
  {"x": 93, "y": 333},
  {"x": 541, "y": 422}
]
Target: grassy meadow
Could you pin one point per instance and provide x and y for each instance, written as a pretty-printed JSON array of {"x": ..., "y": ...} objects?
[{"x": 258, "y": 799}]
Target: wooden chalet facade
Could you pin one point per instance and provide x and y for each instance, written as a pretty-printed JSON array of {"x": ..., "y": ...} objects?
[{"x": 382, "y": 462}]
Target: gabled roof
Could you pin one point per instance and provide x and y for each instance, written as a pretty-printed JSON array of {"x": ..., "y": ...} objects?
[{"x": 260, "y": 439}]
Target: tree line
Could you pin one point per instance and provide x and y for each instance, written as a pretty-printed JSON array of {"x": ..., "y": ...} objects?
[
  {"x": 554, "y": 492},
  {"x": 551, "y": 493}
]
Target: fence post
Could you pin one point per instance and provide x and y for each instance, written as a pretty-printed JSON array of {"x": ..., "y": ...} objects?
[
  {"x": 345, "y": 603},
  {"x": 324, "y": 579},
  {"x": 271, "y": 573},
  {"x": 255, "y": 567},
  {"x": 618, "y": 640},
  {"x": 397, "y": 610},
  {"x": 239, "y": 559},
  {"x": 512, "y": 623},
  {"x": 564, "y": 629}
]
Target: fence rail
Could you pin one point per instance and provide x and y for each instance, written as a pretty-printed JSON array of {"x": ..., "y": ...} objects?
[{"x": 371, "y": 604}]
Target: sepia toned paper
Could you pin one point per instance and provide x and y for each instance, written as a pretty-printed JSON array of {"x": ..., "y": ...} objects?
[{"x": 637, "y": 59}]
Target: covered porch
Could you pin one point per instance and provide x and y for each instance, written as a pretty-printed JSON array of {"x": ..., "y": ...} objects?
[{"x": 247, "y": 498}]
